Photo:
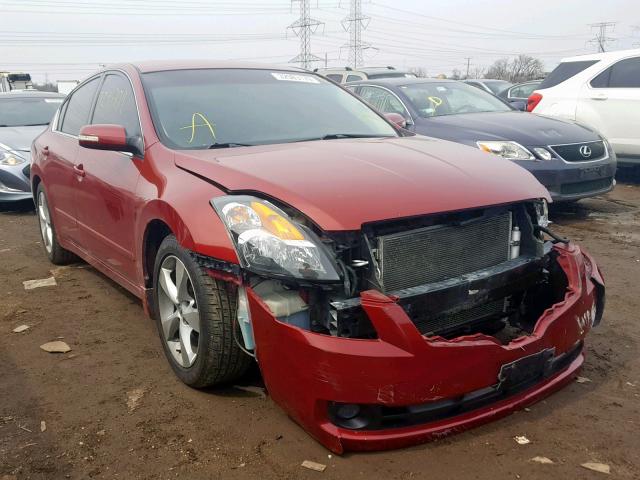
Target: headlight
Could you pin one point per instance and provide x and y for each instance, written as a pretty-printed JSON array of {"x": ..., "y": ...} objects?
[
  {"x": 543, "y": 153},
  {"x": 508, "y": 150},
  {"x": 10, "y": 158},
  {"x": 269, "y": 242},
  {"x": 542, "y": 213}
]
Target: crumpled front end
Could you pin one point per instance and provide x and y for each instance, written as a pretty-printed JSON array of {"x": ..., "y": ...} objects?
[{"x": 405, "y": 384}]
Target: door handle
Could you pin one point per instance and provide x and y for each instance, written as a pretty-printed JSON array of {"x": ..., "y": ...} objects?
[
  {"x": 599, "y": 96},
  {"x": 45, "y": 151},
  {"x": 79, "y": 170}
]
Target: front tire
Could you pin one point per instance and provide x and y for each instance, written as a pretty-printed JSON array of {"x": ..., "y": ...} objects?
[
  {"x": 57, "y": 255},
  {"x": 195, "y": 315}
]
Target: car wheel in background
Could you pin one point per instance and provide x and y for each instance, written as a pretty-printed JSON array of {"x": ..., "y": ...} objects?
[
  {"x": 195, "y": 315},
  {"x": 57, "y": 255}
]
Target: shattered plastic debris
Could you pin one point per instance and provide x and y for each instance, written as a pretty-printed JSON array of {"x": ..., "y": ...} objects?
[
  {"x": 20, "y": 328},
  {"x": 521, "y": 440},
  {"x": 318, "y": 467},
  {"x": 583, "y": 380},
  {"x": 543, "y": 460},
  {"x": 55, "y": 347},
  {"x": 134, "y": 397},
  {"x": 597, "y": 467},
  {"x": 42, "y": 282}
]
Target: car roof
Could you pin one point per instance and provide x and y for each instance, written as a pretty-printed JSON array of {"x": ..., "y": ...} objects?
[
  {"x": 614, "y": 55},
  {"x": 365, "y": 70},
  {"x": 482, "y": 80},
  {"x": 166, "y": 65},
  {"x": 30, "y": 93},
  {"x": 399, "y": 81}
]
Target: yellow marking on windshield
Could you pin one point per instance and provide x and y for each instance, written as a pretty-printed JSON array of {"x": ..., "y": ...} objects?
[
  {"x": 194, "y": 125},
  {"x": 437, "y": 101}
]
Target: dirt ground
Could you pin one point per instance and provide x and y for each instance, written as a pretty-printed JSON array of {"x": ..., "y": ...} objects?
[{"x": 114, "y": 409}]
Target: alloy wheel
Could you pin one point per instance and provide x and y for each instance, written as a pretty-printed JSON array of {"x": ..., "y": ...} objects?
[
  {"x": 179, "y": 314},
  {"x": 44, "y": 218}
]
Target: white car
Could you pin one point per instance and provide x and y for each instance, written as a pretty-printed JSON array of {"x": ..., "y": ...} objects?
[{"x": 601, "y": 91}]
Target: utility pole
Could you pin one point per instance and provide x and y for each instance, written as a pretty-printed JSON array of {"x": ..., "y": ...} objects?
[
  {"x": 304, "y": 27},
  {"x": 601, "y": 39},
  {"x": 468, "y": 59},
  {"x": 354, "y": 24}
]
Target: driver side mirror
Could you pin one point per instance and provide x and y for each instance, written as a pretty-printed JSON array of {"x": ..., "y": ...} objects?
[
  {"x": 107, "y": 137},
  {"x": 397, "y": 119}
]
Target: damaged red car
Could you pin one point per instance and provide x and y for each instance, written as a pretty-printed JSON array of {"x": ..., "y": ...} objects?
[{"x": 392, "y": 288}]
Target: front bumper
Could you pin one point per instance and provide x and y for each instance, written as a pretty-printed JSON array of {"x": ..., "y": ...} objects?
[
  {"x": 567, "y": 181},
  {"x": 307, "y": 372},
  {"x": 14, "y": 183}
]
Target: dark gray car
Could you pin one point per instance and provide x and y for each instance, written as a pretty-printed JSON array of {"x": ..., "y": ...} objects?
[
  {"x": 23, "y": 116},
  {"x": 570, "y": 160}
]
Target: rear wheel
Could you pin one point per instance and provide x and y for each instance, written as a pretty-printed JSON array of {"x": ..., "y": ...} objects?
[
  {"x": 57, "y": 255},
  {"x": 195, "y": 316}
]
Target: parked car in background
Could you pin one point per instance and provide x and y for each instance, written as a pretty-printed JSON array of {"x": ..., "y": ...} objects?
[
  {"x": 488, "y": 85},
  {"x": 348, "y": 74},
  {"x": 23, "y": 115},
  {"x": 518, "y": 95},
  {"x": 394, "y": 288},
  {"x": 600, "y": 90},
  {"x": 572, "y": 161}
]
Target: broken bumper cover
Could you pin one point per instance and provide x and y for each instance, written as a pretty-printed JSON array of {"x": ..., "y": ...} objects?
[{"x": 414, "y": 388}]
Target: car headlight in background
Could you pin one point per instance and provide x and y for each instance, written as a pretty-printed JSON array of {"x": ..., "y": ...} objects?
[
  {"x": 10, "y": 158},
  {"x": 542, "y": 213},
  {"x": 543, "y": 153},
  {"x": 508, "y": 150},
  {"x": 269, "y": 242}
]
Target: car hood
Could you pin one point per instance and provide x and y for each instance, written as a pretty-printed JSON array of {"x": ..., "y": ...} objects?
[
  {"x": 523, "y": 127},
  {"x": 20, "y": 138},
  {"x": 342, "y": 184}
]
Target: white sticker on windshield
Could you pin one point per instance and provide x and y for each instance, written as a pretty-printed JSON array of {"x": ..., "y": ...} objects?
[
  {"x": 53, "y": 100},
  {"x": 294, "y": 77},
  {"x": 441, "y": 89}
]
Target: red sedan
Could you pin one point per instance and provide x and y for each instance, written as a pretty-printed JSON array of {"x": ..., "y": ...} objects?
[{"x": 392, "y": 288}]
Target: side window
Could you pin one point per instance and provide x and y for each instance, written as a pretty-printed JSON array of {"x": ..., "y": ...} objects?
[
  {"x": 353, "y": 78},
  {"x": 336, "y": 77},
  {"x": 602, "y": 79},
  {"x": 78, "y": 107},
  {"x": 515, "y": 92},
  {"x": 625, "y": 74},
  {"x": 116, "y": 104},
  {"x": 383, "y": 101}
]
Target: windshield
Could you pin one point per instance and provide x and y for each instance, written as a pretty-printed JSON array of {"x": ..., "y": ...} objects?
[
  {"x": 497, "y": 86},
  {"x": 197, "y": 109},
  {"x": 435, "y": 99},
  {"x": 23, "y": 111}
]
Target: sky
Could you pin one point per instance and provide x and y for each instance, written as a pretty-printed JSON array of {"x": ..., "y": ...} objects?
[{"x": 70, "y": 39}]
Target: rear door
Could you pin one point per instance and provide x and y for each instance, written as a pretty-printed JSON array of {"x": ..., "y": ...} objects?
[
  {"x": 61, "y": 149},
  {"x": 106, "y": 193},
  {"x": 610, "y": 102}
]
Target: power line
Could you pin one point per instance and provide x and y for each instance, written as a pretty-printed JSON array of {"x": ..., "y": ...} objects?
[
  {"x": 354, "y": 24},
  {"x": 304, "y": 27},
  {"x": 601, "y": 39}
]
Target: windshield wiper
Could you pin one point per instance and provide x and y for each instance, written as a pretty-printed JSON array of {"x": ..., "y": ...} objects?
[
  {"x": 229, "y": 145},
  {"x": 335, "y": 136}
]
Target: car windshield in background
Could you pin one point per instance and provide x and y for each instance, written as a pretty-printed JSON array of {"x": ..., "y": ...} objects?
[
  {"x": 432, "y": 99},
  {"x": 197, "y": 109},
  {"x": 497, "y": 86},
  {"x": 23, "y": 111}
]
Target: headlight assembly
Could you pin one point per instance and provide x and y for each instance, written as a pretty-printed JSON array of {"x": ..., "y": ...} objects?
[
  {"x": 269, "y": 242},
  {"x": 10, "y": 158},
  {"x": 508, "y": 150}
]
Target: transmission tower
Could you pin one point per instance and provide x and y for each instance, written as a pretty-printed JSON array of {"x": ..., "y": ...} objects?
[
  {"x": 601, "y": 39},
  {"x": 304, "y": 27},
  {"x": 354, "y": 24}
]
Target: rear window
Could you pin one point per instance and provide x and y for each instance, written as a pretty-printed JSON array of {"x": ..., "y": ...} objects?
[
  {"x": 26, "y": 111},
  {"x": 565, "y": 71}
]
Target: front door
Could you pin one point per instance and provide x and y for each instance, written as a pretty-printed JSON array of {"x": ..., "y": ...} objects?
[{"x": 106, "y": 190}]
